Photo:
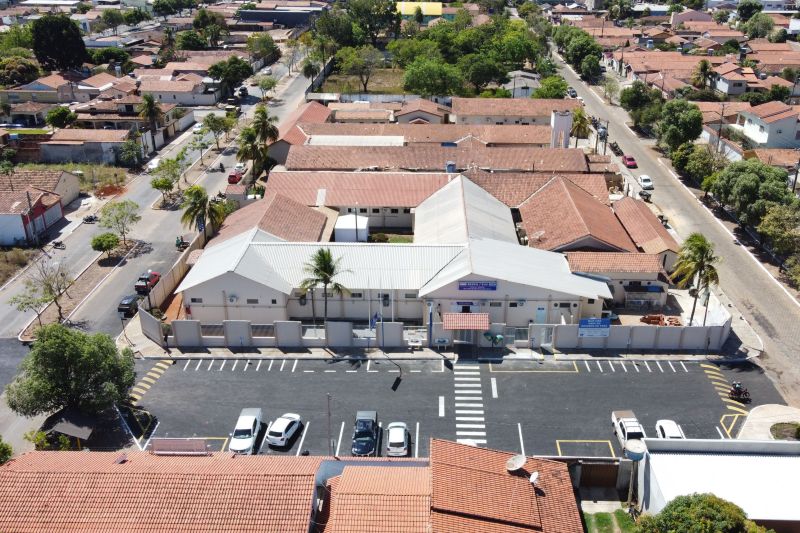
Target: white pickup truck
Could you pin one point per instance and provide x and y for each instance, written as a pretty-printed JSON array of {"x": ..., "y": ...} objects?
[{"x": 626, "y": 426}]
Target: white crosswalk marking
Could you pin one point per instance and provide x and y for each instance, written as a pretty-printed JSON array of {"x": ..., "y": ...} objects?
[{"x": 468, "y": 406}]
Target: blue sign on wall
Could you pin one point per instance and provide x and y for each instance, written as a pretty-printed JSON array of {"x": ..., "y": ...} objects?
[
  {"x": 594, "y": 327},
  {"x": 477, "y": 285}
]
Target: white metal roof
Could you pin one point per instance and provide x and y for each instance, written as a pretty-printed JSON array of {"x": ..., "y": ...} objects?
[
  {"x": 460, "y": 211},
  {"x": 757, "y": 476}
]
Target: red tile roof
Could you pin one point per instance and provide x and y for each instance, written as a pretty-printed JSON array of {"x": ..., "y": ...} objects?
[
  {"x": 473, "y": 491},
  {"x": 772, "y": 111},
  {"x": 42, "y": 179},
  {"x": 614, "y": 262},
  {"x": 524, "y": 107},
  {"x": 513, "y": 189},
  {"x": 308, "y": 112},
  {"x": 16, "y": 202},
  {"x": 91, "y": 491},
  {"x": 420, "y": 104},
  {"x": 643, "y": 227},
  {"x": 89, "y": 135},
  {"x": 783, "y": 157},
  {"x": 566, "y": 216},
  {"x": 475, "y": 321}
]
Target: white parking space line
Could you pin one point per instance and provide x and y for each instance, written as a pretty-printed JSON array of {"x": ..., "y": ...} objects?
[
  {"x": 588, "y": 368},
  {"x": 187, "y": 364},
  {"x": 246, "y": 365},
  {"x": 611, "y": 364},
  {"x": 222, "y": 365},
  {"x": 294, "y": 366},
  {"x": 659, "y": 366},
  {"x": 200, "y": 362},
  {"x": 598, "y": 366},
  {"x": 636, "y": 367},
  {"x": 258, "y": 366},
  {"x": 672, "y": 367},
  {"x": 470, "y": 426},
  {"x": 684, "y": 367},
  {"x": 234, "y": 366},
  {"x": 441, "y": 405},
  {"x": 368, "y": 365},
  {"x": 302, "y": 438},
  {"x": 468, "y": 367},
  {"x": 648, "y": 366},
  {"x": 409, "y": 371},
  {"x": 308, "y": 371},
  {"x": 521, "y": 442},
  {"x": 441, "y": 369},
  {"x": 720, "y": 432},
  {"x": 460, "y": 372},
  {"x": 339, "y": 442},
  {"x": 209, "y": 365},
  {"x": 468, "y": 433},
  {"x": 459, "y": 378},
  {"x": 270, "y": 364},
  {"x": 350, "y": 371},
  {"x": 395, "y": 371},
  {"x": 330, "y": 371},
  {"x": 494, "y": 387},
  {"x": 416, "y": 441},
  {"x": 283, "y": 362}
]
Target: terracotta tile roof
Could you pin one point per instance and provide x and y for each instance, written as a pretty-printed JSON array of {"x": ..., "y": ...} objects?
[
  {"x": 513, "y": 189},
  {"x": 53, "y": 80},
  {"x": 339, "y": 189},
  {"x": 42, "y": 179},
  {"x": 525, "y": 107},
  {"x": 472, "y": 491},
  {"x": 308, "y": 112},
  {"x": 16, "y": 202},
  {"x": 89, "y": 135},
  {"x": 643, "y": 227},
  {"x": 366, "y": 114},
  {"x": 614, "y": 262},
  {"x": 143, "y": 59},
  {"x": 763, "y": 45},
  {"x": 782, "y": 157},
  {"x": 278, "y": 215},
  {"x": 380, "y": 498},
  {"x": 472, "y": 321},
  {"x": 98, "y": 80},
  {"x": 772, "y": 111},
  {"x": 89, "y": 491},
  {"x": 429, "y": 157},
  {"x": 566, "y": 216},
  {"x": 711, "y": 110},
  {"x": 421, "y": 104},
  {"x": 170, "y": 86}
]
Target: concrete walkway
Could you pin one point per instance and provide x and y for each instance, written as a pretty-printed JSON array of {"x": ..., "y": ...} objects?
[{"x": 760, "y": 419}]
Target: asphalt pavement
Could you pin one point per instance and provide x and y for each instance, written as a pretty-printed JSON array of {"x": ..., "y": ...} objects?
[{"x": 556, "y": 408}]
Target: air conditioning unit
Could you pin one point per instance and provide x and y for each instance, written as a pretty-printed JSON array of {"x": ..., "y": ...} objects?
[
  {"x": 521, "y": 303},
  {"x": 233, "y": 299}
]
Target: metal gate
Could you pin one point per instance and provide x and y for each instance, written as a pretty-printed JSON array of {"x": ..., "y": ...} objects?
[{"x": 599, "y": 474}]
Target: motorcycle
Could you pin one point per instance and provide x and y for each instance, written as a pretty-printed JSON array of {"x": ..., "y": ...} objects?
[
  {"x": 221, "y": 194},
  {"x": 221, "y": 167},
  {"x": 738, "y": 392},
  {"x": 644, "y": 195},
  {"x": 90, "y": 219},
  {"x": 59, "y": 245}
]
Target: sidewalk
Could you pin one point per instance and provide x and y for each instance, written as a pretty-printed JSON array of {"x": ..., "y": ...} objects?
[{"x": 760, "y": 419}]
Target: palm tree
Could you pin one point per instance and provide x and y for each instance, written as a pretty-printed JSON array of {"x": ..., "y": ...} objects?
[
  {"x": 696, "y": 264},
  {"x": 323, "y": 269},
  {"x": 702, "y": 73},
  {"x": 251, "y": 149},
  {"x": 168, "y": 40},
  {"x": 198, "y": 210},
  {"x": 580, "y": 124},
  {"x": 264, "y": 125},
  {"x": 150, "y": 110}
]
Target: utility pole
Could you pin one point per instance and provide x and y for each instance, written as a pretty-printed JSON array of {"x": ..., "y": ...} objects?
[
  {"x": 796, "y": 172},
  {"x": 330, "y": 438},
  {"x": 719, "y": 133},
  {"x": 605, "y": 140}
]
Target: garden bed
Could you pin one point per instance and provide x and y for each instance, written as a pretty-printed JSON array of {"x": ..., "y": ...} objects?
[{"x": 786, "y": 431}]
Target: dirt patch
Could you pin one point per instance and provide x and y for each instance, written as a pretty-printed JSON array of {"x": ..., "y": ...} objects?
[
  {"x": 786, "y": 431},
  {"x": 382, "y": 81},
  {"x": 109, "y": 190},
  {"x": 12, "y": 261},
  {"x": 79, "y": 289}
]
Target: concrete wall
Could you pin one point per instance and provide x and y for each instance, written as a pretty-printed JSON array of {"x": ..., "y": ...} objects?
[
  {"x": 170, "y": 279},
  {"x": 12, "y": 231},
  {"x": 151, "y": 327},
  {"x": 643, "y": 337},
  {"x": 237, "y": 333},
  {"x": 187, "y": 333},
  {"x": 339, "y": 334},
  {"x": 390, "y": 335},
  {"x": 288, "y": 334}
]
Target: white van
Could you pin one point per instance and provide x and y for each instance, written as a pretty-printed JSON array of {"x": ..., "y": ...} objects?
[{"x": 245, "y": 434}]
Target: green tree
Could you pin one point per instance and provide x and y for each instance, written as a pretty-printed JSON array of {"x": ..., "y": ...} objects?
[
  {"x": 266, "y": 84},
  {"x": 105, "y": 242},
  {"x": 17, "y": 70},
  {"x": 781, "y": 226},
  {"x": 309, "y": 69},
  {"x": 18, "y": 36},
  {"x": 463, "y": 19},
  {"x": 778, "y": 35},
  {"x": 151, "y": 111},
  {"x": 67, "y": 368},
  {"x": 751, "y": 188},
  {"x": 231, "y": 72},
  {"x": 262, "y": 46},
  {"x": 590, "y": 67},
  {"x": 552, "y": 87},
  {"x": 324, "y": 270},
  {"x": 747, "y": 8},
  {"x": 130, "y": 153},
  {"x": 702, "y": 73},
  {"x": 335, "y": 24},
  {"x": 361, "y": 62},
  {"x": 759, "y": 25},
  {"x": 265, "y": 125},
  {"x": 406, "y": 51},
  {"x": 198, "y": 211},
  {"x": 638, "y": 96},
  {"x": 135, "y": 16},
  {"x": 699, "y": 513},
  {"x": 191, "y": 40},
  {"x": 480, "y": 70},
  {"x": 216, "y": 125},
  {"x": 681, "y": 122},
  {"x": 251, "y": 149},
  {"x": 112, "y": 18},
  {"x": 31, "y": 299},
  {"x": 164, "y": 185},
  {"x": 5, "y": 451},
  {"x": 696, "y": 265},
  {"x": 200, "y": 144},
  {"x": 205, "y": 18},
  {"x": 214, "y": 34},
  {"x": 373, "y": 17},
  {"x": 610, "y": 87},
  {"x": 680, "y": 156},
  {"x": 60, "y": 117},
  {"x": 580, "y": 124},
  {"x": 419, "y": 18},
  {"x": 164, "y": 8},
  {"x": 428, "y": 77},
  {"x": 703, "y": 162},
  {"x": 51, "y": 279},
  {"x": 120, "y": 216},
  {"x": 57, "y": 42}
]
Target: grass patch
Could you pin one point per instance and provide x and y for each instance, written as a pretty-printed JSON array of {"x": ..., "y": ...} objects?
[
  {"x": 94, "y": 176},
  {"x": 30, "y": 131},
  {"x": 624, "y": 521},
  {"x": 11, "y": 260},
  {"x": 588, "y": 520},
  {"x": 786, "y": 431},
  {"x": 604, "y": 523},
  {"x": 382, "y": 81},
  {"x": 400, "y": 239}
]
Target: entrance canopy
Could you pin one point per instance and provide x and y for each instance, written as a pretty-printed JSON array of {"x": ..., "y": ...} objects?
[{"x": 470, "y": 321}]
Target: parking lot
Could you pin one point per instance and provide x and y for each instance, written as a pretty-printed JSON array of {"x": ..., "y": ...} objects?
[{"x": 554, "y": 408}]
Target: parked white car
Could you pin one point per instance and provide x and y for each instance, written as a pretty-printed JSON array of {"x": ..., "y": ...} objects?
[
  {"x": 198, "y": 129},
  {"x": 397, "y": 441},
  {"x": 646, "y": 182},
  {"x": 240, "y": 168},
  {"x": 248, "y": 426},
  {"x": 669, "y": 429},
  {"x": 153, "y": 164},
  {"x": 283, "y": 429}
]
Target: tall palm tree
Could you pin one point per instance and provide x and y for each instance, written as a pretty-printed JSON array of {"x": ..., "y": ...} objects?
[
  {"x": 580, "y": 124},
  {"x": 150, "y": 110},
  {"x": 265, "y": 125},
  {"x": 323, "y": 270},
  {"x": 696, "y": 265},
  {"x": 198, "y": 211},
  {"x": 702, "y": 73},
  {"x": 251, "y": 149}
]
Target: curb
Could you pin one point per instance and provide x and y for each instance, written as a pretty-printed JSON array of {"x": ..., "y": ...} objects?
[{"x": 256, "y": 357}]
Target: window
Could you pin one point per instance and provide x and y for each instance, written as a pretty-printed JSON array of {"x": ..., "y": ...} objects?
[
  {"x": 252, "y": 301},
  {"x": 196, "y": 300},
  {"x": 563, "y": 304},
  {"x": 410, "y": 295},
  {"x": 590, "y": 301},
  {"x": 512, "y": 304},
  {"x": 761, "y": 129},
  {"x": 407, "y": 210},
  {"x": 356, "y": 295},
  {"x": 274, "y": 301},
  {"x": 495, "y": 304},
  {"x": 362, "y": 210},
  {"x": 375, "y": 211},
  {"x": 395, "y": 211},
  {"x": 779, "y": 132}
]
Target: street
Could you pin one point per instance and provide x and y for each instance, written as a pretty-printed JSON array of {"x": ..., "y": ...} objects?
[
  {"x": 555, "y": 408},
  {"x": 772, "y": 313}
]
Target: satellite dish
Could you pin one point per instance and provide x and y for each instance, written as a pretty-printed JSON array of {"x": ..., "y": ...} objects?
[
  {"x": 635, "y": 449},
  {"x": 516, "y": 463},
  {"x": 534, "y": 478}
]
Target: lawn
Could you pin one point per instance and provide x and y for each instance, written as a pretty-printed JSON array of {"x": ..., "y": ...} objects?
[
  {"x": 30, "y": 131},
  {"x": 624, "y": 521},
  {"x": 383, "y": 81},
  {"x": 94, "y": 176}
]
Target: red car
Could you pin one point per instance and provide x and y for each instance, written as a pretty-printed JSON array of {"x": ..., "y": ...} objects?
[
  {"x": 146, "y": 281},
  {"x": 629, "y": 161},
  {"x": 234, "y": 177}
]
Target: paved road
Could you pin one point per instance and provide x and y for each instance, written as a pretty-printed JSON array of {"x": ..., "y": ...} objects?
[
  {"x": 773, "y": 314},
  {"x": 157, "y": 229},
  {"x": 550, "y": 409}
]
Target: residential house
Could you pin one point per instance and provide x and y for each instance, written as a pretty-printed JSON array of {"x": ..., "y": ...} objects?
[
  {"x": 682, "y": 17},
  {"x": 26, "y": 214},
  {"x": 731, "y": 79},
  {"x": 29, "y": 113},
  {"x": 430, "y": 10},
  {"x": 635, "y": 279},
  {"x": 786, "y": 158},
  {"x": 723, "y": 35},
  {"x": 521, "y": 83},
  {"x": 420, "y": 111},
  {"x": 54, "y": 89},
  {"x": 773, "y": 62},
  {"x": 83, "y": 145},
  {"x": 770, "y": 125},
  {"x": 65, "y": 184},
  {"x": 289, "y": 134},
  {"x": 522, "y": 111},
  {"x": 646, "y": 231},
  {"x": 181, "y": 89}
]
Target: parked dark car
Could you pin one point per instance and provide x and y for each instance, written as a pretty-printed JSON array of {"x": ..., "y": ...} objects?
[
  {"x": 572, "y": 92},
  {"x": 365, "y": 434},
  {"x": 129, "y": 305}
]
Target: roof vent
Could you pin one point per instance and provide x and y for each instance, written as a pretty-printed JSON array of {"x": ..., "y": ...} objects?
[
  {"x": 516, "y": 463},
  {"x": 534, "y": 478},
  {"x": 121, "y": 459}
]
